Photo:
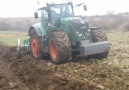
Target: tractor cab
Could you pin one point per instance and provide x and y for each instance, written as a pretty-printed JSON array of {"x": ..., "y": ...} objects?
[
  {"x": 61, "y": 11},
  {"x": 53, "y": 12}
]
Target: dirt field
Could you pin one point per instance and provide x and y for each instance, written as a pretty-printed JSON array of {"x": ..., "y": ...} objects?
[{"x": 83, "y": 74}]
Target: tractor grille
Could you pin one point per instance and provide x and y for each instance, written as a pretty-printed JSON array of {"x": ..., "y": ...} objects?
[{"x": 80, "y": 26}]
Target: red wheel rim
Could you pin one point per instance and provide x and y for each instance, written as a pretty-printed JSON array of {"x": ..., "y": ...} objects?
[
  {"x": 53, "y": 49},
  {"x": 34, "y": 46}
]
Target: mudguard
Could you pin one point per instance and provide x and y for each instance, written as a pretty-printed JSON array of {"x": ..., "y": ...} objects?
[{"x": 40, "y": 29}]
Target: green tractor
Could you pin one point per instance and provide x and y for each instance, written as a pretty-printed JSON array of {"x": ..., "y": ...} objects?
[{"x": 61, "y": 35}]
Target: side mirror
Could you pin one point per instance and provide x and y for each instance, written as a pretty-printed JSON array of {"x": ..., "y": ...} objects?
[
  {"x": 36, "y": 15},
  {"x": 85, "y": 8}
]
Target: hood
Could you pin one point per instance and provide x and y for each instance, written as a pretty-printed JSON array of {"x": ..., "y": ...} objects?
[
  {"x": 76, "y": 27},
  {"x": 80, "y": 25}
]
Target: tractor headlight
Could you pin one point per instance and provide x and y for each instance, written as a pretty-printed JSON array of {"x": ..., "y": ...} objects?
[
  {"x": 85, "y": 35},
  {"x": 79, "y": 34}
]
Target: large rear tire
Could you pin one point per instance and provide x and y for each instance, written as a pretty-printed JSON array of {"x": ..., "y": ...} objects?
[
  {"x": 59, "y": 47},
  {"x": 99, "y": 36},
  {"x": 35, "y": 44}
]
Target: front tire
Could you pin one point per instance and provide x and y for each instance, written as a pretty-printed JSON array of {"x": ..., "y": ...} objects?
[
  {"x": 99, "y": 36},
  {"x": 59, "y": 47}
]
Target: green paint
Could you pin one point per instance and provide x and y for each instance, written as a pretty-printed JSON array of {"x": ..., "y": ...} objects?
[
  {"x": 26, "y": 42},
  {"x": 42, "y": 28},
  {"x": 69, "y": 29}
]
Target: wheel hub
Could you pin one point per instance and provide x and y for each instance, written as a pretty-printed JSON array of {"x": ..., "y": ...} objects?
[
  {"x": 34, "y": 47},
  {"x": 53, "y": 49}
]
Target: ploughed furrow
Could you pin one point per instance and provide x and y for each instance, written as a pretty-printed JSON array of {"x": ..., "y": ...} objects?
[{"x": 8, "y": 79}]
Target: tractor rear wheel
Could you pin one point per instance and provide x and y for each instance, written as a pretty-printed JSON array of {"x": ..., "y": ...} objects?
[
  {"x": 99, "y": 36},
  {"x": 59, "y": 47},
  {"x": 35, "y": 44}
]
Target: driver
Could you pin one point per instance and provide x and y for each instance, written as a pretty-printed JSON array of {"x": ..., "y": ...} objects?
[
  {"x": 54, "y": 15},
  {"x": 66, "y": 12}
]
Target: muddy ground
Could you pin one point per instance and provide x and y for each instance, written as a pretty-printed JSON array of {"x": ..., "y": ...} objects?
[{"x": 82, "y": 74}]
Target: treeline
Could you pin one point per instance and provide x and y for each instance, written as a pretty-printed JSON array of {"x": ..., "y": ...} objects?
[
  {"x": 21, "y": 24},
  {"x": 119, "y": 22}
]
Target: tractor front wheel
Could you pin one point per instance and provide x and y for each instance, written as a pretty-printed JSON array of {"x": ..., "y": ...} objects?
[
  {"x": 59, "y": 47},
  {"x": 99, "y": 36}
]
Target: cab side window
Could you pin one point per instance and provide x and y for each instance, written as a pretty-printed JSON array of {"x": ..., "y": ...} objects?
[{"x": 44, "y": 16}]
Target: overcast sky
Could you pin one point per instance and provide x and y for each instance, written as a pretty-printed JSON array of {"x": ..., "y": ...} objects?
[{"x": 26, "y": 8}]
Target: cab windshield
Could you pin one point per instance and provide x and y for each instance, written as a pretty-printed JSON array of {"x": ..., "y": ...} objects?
[{"x": 61, "y": 11}]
